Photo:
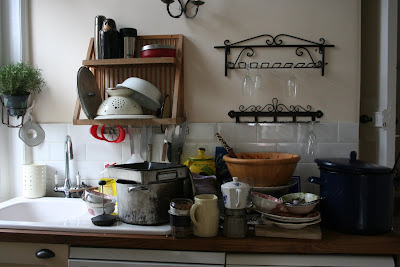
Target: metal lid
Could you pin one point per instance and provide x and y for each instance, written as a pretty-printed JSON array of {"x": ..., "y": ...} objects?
[
  {"x": 157, "y": 46},
  {"x": 147, "y": 172},
  {"x": 128, "y": 32},
  {"x": 235, "y": 184},
  {"x": 351, "y": 165},
  {"x": 88, "y": 92}
]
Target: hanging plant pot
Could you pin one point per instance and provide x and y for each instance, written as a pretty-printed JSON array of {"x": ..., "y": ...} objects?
[{"x": 16, "y": 104}]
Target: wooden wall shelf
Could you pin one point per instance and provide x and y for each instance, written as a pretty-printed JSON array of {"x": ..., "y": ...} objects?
[{"x": 165, "y": 73}]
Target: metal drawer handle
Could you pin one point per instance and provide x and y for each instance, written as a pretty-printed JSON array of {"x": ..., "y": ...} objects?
[{"x": 45, "y": 254}]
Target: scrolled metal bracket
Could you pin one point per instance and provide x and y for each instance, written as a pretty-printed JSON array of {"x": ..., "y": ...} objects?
[
  {"x": 276, "y": 111},
  {"x": 275, "y": 42}
]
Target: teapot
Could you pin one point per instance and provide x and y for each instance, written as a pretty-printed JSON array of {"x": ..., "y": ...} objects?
[
  {"x": 202, "y": 164},
  {"x": 235, "y": 194}
]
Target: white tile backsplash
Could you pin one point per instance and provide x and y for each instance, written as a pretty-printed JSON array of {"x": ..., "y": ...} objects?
[
  {"x": 348, "y": 132},
  {"x": 326, "y": 132},
  {"x": 90, "y": 154},
  {"x": 104, "y": 152},
  {"x": 233, "y": 133},
  {"x": 276, "y": 132}
]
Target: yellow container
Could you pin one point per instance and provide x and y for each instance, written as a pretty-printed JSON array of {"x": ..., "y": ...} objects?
[
  {"x": 110, "y": 188},
  {"x": 202, "y": 164}
]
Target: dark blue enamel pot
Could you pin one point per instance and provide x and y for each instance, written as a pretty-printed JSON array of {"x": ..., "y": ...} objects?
[{"x": 357, "y": 196}]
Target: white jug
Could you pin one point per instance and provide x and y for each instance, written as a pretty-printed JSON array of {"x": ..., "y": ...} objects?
[{"x": 235, "y": 194}]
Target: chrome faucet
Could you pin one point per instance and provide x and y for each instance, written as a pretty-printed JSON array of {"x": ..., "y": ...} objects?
[{"x": 69, "y": 154}]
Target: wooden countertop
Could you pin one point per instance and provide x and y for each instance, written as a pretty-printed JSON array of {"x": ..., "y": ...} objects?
[{"x": 331, "y": 243}]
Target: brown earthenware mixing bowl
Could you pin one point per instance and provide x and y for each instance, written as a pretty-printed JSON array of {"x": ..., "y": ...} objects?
[{"x": 263, "y": 169}]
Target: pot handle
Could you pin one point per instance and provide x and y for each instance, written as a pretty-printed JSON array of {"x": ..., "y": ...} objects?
[
  {"x": 315, "y": 180},
  {"x": 192, "y": 214},
  {"x": 137, "y": 188},
  {"x": 239, "y": 194}
]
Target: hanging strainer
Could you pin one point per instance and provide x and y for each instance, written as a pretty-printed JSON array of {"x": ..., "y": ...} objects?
[{"x": 31, "y": 133}]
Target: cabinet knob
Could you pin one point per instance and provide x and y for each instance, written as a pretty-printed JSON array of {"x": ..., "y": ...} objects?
[{"x": 45, "y": 254}]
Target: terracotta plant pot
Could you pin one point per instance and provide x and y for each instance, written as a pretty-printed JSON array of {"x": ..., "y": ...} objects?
[{"x": 263, "y": 169}]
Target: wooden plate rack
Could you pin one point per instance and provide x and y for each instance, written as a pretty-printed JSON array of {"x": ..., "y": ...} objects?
[{"x": 166, "y": 73}]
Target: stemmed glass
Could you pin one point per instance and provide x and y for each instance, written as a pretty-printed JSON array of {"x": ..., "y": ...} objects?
[
  {"x": 258, "y": 84},
  {"x": 292, "y": 85},
  {"x": 311, "y": 146},
  {"x": 248, "y": 84}
]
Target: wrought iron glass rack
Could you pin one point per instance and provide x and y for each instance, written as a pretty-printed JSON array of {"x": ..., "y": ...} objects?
[
  {"x": 278, "y": 41},
  {"x": 275, "y": 110}
]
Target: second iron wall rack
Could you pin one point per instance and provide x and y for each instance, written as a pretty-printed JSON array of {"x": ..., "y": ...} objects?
[
  {"x": 275, "y": 42},
  {"x": 275, "y": 110}
]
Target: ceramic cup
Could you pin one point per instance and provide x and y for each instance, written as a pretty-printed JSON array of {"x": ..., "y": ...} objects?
[{"x": 205, "y": 215}]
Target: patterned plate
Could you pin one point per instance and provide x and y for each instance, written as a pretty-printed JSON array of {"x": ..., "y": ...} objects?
[{"x": 282, "y": 215}]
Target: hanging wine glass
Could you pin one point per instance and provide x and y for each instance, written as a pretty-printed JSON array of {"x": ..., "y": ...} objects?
[
  {"x": 248, "y": 84},
  {"x": 258, "y": 84},
  {"x": 292, "y": 85},
  {"x": 311, "y": 145}
]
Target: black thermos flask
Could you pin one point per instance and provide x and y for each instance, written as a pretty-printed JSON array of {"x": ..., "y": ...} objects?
[{"x": 109, "y": 40}]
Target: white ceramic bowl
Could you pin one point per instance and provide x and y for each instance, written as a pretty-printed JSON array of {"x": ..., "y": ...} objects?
[
  {"x": 264, "y": 202},
  {"x": 96, "y": 209},
  {"x": 300, "y": 203},
  {"x": 94, "y": 202},
  {"x": 145, "y": 93}
]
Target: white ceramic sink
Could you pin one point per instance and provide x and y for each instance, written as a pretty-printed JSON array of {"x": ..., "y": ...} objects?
[
  {"x": 42, "y": 210},
  {"x": 63, "y": 214}
]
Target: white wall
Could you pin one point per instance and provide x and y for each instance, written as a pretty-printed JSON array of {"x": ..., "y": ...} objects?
[{"x": 61, "y": 31}]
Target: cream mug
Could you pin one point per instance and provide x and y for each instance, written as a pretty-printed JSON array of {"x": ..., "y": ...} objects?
[{"x": 205, "y": 215}]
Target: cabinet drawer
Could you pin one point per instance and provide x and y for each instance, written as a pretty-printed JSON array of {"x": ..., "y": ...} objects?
[{"x": 22, "y": 254}]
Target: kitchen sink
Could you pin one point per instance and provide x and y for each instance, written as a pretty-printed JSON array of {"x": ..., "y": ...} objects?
[
  {"x": 42, "y": 210},
  {"x": 63, "y": 214}
]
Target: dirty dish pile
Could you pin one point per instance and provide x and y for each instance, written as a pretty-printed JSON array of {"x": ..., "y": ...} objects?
[
  {"x": 265, "y": 168},
  {"x": 94, "y": 202},
  {"x": 295, "y": 211}
]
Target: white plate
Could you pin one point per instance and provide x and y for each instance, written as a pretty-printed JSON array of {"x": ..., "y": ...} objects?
[
  {"x": 294, "y": 226},
  {"x": 275, "y": 188},
  {"x": 288, "y": 219},
  {"x": 111, "y": 117}
]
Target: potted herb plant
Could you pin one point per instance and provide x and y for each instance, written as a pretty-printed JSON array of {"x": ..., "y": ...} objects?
[{"x": 17, "y": 82}]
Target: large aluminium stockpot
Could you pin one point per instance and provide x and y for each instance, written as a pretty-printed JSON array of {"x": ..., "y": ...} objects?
[
  {"x": 357, "y": 196},
  {"x": 144, "y": 190}
]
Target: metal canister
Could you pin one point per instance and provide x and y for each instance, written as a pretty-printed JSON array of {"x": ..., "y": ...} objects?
[
  {"x": 98, "y": 24},
  {"x": 128, "y": 39},
  {"x": 235, "y": 223}
]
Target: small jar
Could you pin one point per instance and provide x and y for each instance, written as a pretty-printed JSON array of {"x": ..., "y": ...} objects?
[{"x": 179, "y": 217}]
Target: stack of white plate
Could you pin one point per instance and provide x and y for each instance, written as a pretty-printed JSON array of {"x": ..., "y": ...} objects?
[{"x": 291, "y": 221}]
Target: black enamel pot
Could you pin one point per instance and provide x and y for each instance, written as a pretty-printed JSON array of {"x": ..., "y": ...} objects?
[{"x": 357, "y": 196}]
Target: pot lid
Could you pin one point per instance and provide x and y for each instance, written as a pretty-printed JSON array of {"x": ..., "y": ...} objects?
[
  {"x": 351, "y": 165},
  {"x": 88, "y": 92},
  {"x": 235, "y": 184},
  {"x": 157, "y": 46}
]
